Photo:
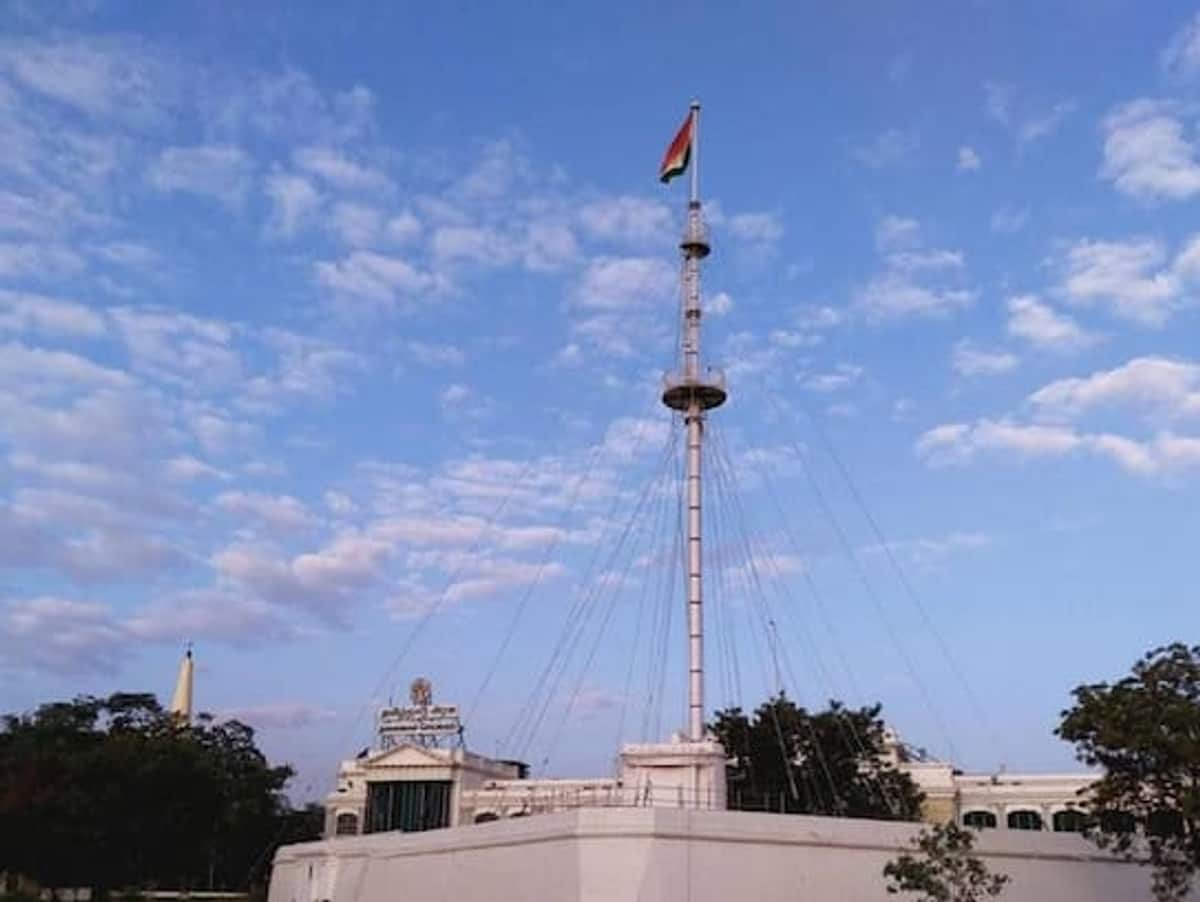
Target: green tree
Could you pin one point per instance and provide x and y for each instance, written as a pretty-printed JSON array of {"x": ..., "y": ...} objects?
[
  {"x": 1144, "y": 732},
  {"x": 945, "y": 870},
  {"x": 835, "y": 761},
  {"x": 114, "y": 793}
]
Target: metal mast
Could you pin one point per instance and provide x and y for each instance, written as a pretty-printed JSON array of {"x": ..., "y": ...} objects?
[{"x": 692, "y": 392}]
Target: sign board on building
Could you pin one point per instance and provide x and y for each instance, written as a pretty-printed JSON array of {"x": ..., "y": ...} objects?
[{"x": 418, "y": 723}]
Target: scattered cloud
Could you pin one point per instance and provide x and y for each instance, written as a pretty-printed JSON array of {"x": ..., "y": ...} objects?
[
  {"x": 1147, "y": 152},
  {"x": 1156, "y": 386},
  {"x": 887, "y": 148},
  {"x": 1181, "y": 57},
  {"x": 970, "y": 361},
  {"x": 1044, "y": 327},
  {"x": 220, "y": 171},
  {"x": 968, "y": 160},
  {"x": 1133, "y": 279}
]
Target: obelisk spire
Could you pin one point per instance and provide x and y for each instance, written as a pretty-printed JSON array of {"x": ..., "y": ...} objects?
[
  {"x": 693, "y": 392},
  {"x": 181, "y": 701}
]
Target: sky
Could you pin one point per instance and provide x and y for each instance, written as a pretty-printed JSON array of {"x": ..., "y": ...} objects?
[{"x": 331, "y": 341}]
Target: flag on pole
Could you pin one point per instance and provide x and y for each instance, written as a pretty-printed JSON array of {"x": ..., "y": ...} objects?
[{"x": 679, "y": 153}]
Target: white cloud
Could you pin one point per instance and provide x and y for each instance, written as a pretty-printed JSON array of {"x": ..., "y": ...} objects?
[
  {"x": 221, "y": 171},
  {"x": 897, "y": 233},
  {"x": 1027, "y": 121},
  {"x": 294, "y": 203},
  {"x": 969, "y": 360},
  {"x": 434, "y": 354},
  {"x": 718, "y": 304},
  {"x": 842, "y": 376},
  {"x": 1147, "y": 153},
  {"x": 888, "y": 148},
  {"x": 760, "y": 229},
  {"x": 1181, "y": 56},
  {"x": 376, "y": 278},
  {"x": 186, "y": 468},
  {"x": 617, "y": 283},
  {"x": 23, "y": 312},
  {"x": 1129, "y": 277},
  {"x": 339, "y": 171},
  {"x": 282, "y": 513},
  {"x": 1156, "y": 385},
  {"x": 61, "y": 635},
  {"x": 968, "y": 159},
  {"x": 628, "y": 219},
  {"x": 1045, "y": 328},
  {"x": 894, "y": 296},
  {"x": 454, "y": 394},
  {"x": 37, "y": 260},
  {"x": 103, "y": 78},
  {"x": 403, "y": 228},
  {"x": 959, "y": 443},
  {"x": 916, "y": 260},
  {"x": 356, "y": 225}
]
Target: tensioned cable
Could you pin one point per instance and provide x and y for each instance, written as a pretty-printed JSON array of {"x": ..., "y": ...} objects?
[
  {"x": 591, "y": 606},
  {"x": 433, "y": 607},
  {"x": 873, "y": 595},
  {"x": 530, "y": 718},
  {"x": 850, "y": 733},
  {"x": 905, "y": 582},
  {"x": 584, "y": 476},
  {"x": 727, "y": 482}
]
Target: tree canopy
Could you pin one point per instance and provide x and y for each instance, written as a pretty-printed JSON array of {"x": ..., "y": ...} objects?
[
  {"x": 787, "y": 759},
  {"x": 115, "y": 793},
  {"x": 1144, "y": 731},
  {"x": 945, "y": 869}
]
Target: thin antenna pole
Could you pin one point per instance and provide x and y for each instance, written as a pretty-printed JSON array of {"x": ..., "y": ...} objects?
[
  {"x": 693, "y": 392},
  {"x": 695, "y": 195}
]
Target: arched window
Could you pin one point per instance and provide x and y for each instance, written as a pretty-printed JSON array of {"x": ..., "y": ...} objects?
[
  {"x": 1070, "y": 821},
  {"x": 484, "y": 816},
  {"x": 346, "y": 824},
  {"x": 980, "y": 820},
  {"x": 1024, "y": 820}
]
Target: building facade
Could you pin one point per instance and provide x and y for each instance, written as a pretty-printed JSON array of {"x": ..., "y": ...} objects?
[{"x": 413, "y": 782}]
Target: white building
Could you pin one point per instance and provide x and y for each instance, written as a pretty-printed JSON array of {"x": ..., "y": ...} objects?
[{"x": 412, "y": 784}]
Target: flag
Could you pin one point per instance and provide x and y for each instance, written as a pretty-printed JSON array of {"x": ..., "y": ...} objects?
[{"x": 679, "y": 153}]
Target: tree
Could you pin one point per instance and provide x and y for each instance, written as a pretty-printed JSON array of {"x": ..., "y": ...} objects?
[
  {"x": 115, "y": 792},
  {"x": 1144, "y": 731},
  {"x": 835, "y": 761},
  {"x": 946, "y": 870}
]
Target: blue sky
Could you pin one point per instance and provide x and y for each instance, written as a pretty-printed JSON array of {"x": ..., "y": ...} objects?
[{"x": 332, "y": 339}]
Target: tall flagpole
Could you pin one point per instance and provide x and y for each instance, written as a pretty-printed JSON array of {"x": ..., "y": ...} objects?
[{"x": 693, "y": 392}]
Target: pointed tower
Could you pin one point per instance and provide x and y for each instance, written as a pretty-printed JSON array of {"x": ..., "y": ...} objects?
[{"x": 181, "y": 701}]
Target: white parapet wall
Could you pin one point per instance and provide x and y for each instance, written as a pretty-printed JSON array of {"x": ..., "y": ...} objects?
[{"x": 663, "y": 855}]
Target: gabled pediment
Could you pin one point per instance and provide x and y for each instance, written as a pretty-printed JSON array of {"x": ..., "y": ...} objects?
[{"x": 407, "y": 756}]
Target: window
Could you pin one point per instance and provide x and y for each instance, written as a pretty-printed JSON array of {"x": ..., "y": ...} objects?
[
  {"x": 1069, "y": 821},
  {"x": 980, "y": 820},
  {"x": 346, "y": 824},
  {"x": 484, "y": 816},
  {"x": 408, "y": 805},
  {"x": 1024, "y": 820}
]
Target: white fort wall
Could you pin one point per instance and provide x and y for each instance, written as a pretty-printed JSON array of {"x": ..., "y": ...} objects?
[{"x": 606, "y": 855}]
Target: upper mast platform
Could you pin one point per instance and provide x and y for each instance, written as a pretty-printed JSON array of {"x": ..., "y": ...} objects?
[{"x": 708, "y": 391}]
